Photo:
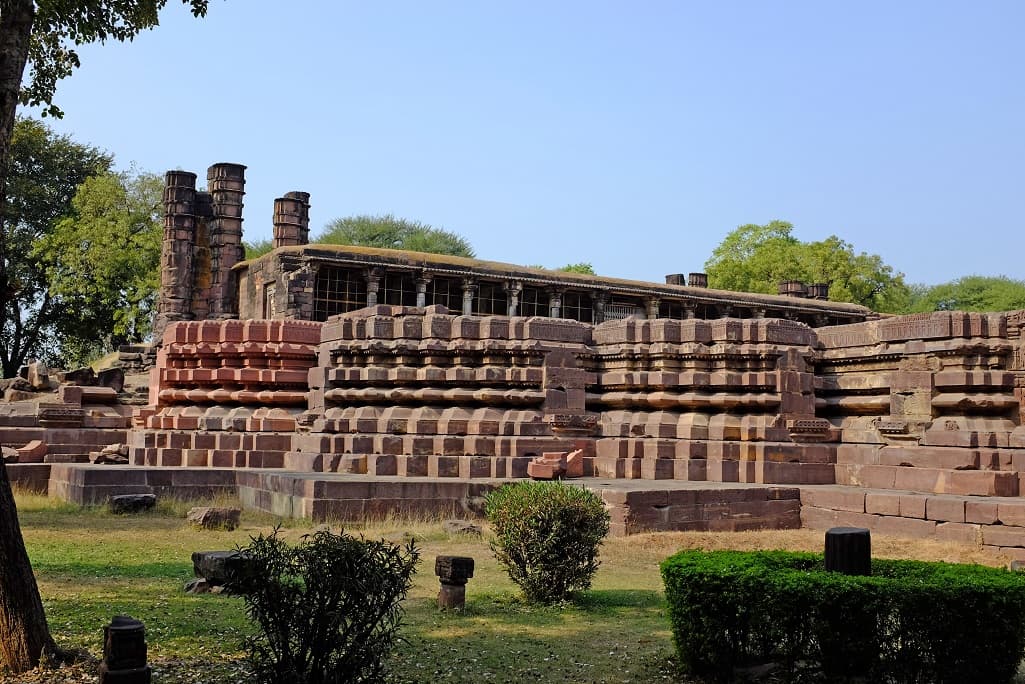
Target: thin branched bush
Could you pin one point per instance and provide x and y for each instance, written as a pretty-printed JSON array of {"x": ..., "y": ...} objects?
[
  {"x": 328, "y": 608},
  {"x": 547, "y": 535}
]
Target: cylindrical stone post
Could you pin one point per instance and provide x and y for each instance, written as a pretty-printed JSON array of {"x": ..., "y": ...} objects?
[
  {"x": 226, "y": 184},
  {"x": 849, "y": 550},
  {"x": 453, "y": 572},
  {"x": 124, "y": 652}
]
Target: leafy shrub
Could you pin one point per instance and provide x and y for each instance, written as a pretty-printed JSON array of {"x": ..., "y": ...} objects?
[
  {"x": 909, "y": 621},
  {"x": 328, "y": 608},
  {"x": 547, "y": 535}
]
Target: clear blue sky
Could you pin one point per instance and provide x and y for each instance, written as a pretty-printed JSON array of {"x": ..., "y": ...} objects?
[{"x": 633, "y": 135}]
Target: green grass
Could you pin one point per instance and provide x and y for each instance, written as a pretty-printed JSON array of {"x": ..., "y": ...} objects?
[{"x": 92, "y": 565}]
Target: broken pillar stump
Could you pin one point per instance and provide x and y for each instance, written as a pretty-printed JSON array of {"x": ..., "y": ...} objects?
[
  {"x": 849, "y": 550},
  {"x": 453, "y": 571},
  {"x": 132, "y": 503},
  {"x": 124, "y": 652}
]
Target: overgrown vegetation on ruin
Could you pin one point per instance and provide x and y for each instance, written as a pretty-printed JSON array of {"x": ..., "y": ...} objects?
[{"x": 91, "y": 566}]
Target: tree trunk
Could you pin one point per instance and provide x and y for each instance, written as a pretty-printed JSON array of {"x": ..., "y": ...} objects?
[
  {"x": 24, "y": 634},
  {"x": 16, "y": 17}
]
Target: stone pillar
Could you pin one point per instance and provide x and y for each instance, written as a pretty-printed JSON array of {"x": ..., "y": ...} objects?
[
  {"x": 174, "y": 302},
  {"x": 555, "y": 303},
  {"x": 512, "y": 292},
  {"x": 373, "y": 276},
  {"x": 690, "y": 311},
  {"x": 725, "y": 310},
  {"x": 226, "y": 183},
  {"x": 652, "y": 308},
  {"x": 421, "y": 291},
  {"x": 598, "y": 302},
  {"x": 469, "y": 289},
  {"x": 453, "y": 573},
  {"x": 758, "y": 313},
  {"x": 304, "y": 214},
  {"x": 201, "y": 256},
  {"x": 291, "y": 220}
]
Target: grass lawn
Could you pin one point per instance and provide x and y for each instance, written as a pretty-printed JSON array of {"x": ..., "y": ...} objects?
[{"x": 91, "y": 566}]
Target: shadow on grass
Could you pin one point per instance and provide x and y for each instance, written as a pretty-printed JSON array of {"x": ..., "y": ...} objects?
[{"x": 110, "y": 568}]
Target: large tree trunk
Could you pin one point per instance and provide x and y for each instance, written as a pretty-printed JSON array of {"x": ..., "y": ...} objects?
[
  {"x": 24, "y": 634},
  {"x": 16, "y": 17}
]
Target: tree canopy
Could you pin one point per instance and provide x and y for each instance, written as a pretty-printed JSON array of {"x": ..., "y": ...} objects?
[
  {"x": 104, "y": 263},
  {"x": 46, "y": 170},
  {"x": 755, "y": 258},
  {"x": 390, "y": 232},
  {"x": 970, "y": 293}
]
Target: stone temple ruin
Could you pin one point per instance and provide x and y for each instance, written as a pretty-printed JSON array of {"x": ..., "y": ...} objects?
[{"x": 341, "y": 382}]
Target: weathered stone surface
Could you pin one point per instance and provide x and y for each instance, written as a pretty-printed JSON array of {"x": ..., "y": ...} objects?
[
  {"x": 217, "y": 567},
  {"x": 132, "y": 503},
  {"x": 214, "y": 517},
  {"x": 10, "y": 454},
  {"x": 462, "y": 527}
]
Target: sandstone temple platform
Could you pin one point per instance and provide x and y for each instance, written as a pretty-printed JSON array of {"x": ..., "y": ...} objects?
[{"x": 338, "y": 383}]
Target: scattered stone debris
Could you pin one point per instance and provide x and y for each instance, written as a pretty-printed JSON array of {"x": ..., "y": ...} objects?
[
  {"x": 215, "y": 517},
  {"x": 113, "y": 378},
  {"x": 555, "y": 465},
  {"x": 462, "y": 527},
  {"x": 112, "y": 453},
  {"x": 132, "y": 503}
]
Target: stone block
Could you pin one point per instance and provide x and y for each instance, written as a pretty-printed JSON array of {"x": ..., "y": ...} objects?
[
  {"x": 1002, "y": 535},
  {"x": 905, "y": 527},
  {"x": 960, "y": 533},
  {"x": 945, "y": 509},
  {"x": 834, "y": 498},
  {"x": 982, "y": 511},
  {"x": 882, "y": 503}
]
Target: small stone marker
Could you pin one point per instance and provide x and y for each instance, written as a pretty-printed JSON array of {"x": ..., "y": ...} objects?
[
  {"x": 849, "y": 550},
  {"x": 124, "y": 652},
  {"x": 453, "y": 571},
  {"x": 132, "y": 503},
  {"x": 214, "y": 517}
]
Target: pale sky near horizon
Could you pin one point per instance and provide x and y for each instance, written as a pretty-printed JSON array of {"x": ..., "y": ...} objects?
[{"x": 633, "y": 135}]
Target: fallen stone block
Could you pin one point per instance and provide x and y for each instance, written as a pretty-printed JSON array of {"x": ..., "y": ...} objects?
[
  {"x": 113, "y": 378},
  {"x": 215, "y": 517},
  {"x": 462, "y": 527},
  {"x": 132, "y": 503},
  {"x": 33, "y": 452},
  {"x": 217, "y": 567}
]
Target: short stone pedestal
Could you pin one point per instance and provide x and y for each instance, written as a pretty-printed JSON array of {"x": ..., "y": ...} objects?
[
  {"x": 453, "y": 571},
  {"x": 849, "y": 550},
  {"x": 124, "y": 652}
]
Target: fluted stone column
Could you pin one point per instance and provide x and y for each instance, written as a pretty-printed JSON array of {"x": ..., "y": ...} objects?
[
  {"x": 421, "y": 290},
  {"x": 512, "y": 295},
  {"x": 226, "y": 184},
  {"x": 555, "y": 303},
  {"x": 469, "y": 289}
]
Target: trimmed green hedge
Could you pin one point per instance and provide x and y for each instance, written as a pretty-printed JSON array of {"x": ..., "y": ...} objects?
[{"x": 910, "y": 621}]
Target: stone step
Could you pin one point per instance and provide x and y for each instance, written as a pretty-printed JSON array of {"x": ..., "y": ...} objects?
[
  {"x": 930, "y": 480},
  {"x": 993, "y": 522}
]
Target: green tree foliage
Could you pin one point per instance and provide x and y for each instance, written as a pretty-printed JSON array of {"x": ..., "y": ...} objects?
[
  {"x": 970, "y": 293},
  {"x": 103, "y": 263},
  {"x": 257, "y": 248},
  {"x": 582, "y": 267},
  {"x": 46, "y": 170},
  {"x": 755, "y": 258},
  {"x": 390, "y": 232}
]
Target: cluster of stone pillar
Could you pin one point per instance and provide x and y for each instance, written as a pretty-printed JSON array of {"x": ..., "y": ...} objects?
[{"x": 202, "y": 242}]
